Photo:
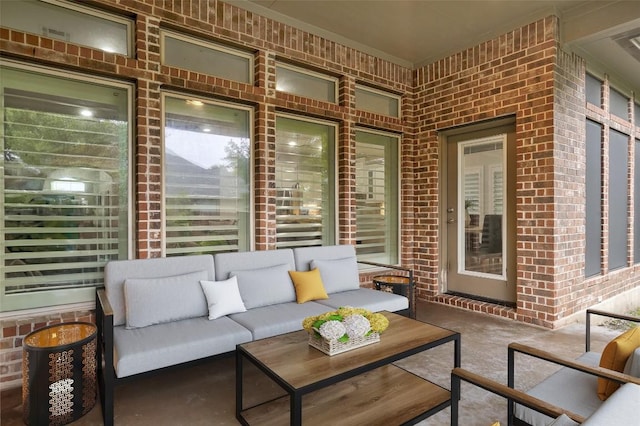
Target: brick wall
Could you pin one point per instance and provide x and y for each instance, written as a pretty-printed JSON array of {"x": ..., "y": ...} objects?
[
  {"x": 521, "y": 74},
  {"x": 271, "y": 41}
]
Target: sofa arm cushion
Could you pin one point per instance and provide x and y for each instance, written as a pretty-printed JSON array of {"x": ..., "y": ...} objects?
[
  {"x": 338, "y": 274},
  {"x": 151, "y": 301}
]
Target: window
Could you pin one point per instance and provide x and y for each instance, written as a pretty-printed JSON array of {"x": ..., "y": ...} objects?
[
  {"x": 69, "y": 22},
  {"x": 368, "y": 99},
  {"x": 207, "y": 177},
  {"x": 618, "y": 104},
  {"x": 636, "y": 113},
  {"x": 377, "y": 197},
  {"x": 305, "y": 187},
  {"x": 618, "y": 204},
  {"x": 299, "y": 81},
  {"x": 206, "y": 57},
  {"x": 65, "y": 185},
  {"x": 593, "y": 227},
  {"x": 593, "y": 89}
]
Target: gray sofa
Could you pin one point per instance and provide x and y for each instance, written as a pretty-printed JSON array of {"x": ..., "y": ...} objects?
[{"x": 155, "y": 313}]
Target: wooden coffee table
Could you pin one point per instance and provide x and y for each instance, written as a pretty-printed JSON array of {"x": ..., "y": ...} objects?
[{"x": 358, "y": 387}]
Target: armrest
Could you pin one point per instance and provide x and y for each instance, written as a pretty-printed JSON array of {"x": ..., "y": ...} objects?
[
  {"x": 565, "y": 362},
  {"x": 104, "y": 322},
  {"x": 603, "y": 314},
  {"x": 104, "y": 354},
  {"x": 103, "y": 301},
  {"x": 383, "y": 265},
  {"x": 512, "y": 395}
]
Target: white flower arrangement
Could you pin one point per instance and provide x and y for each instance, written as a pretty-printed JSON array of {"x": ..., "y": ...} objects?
[{"x": 345, "y": 323}]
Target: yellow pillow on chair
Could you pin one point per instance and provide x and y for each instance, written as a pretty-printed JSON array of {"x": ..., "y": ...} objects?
[
  {"x": 308, "y": 285},
  {"x": 614, "y": 357}
]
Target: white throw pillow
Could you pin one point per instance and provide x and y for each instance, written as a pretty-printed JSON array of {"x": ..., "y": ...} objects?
[
  {"x": 151, "y": 301},
  {"x": 223, "y": 297}
]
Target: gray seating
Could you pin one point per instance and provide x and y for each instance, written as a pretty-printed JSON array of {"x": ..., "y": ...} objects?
[{"x": 155, "y": 313}]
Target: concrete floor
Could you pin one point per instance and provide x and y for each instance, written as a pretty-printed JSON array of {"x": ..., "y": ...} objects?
[{"x": 203, "y": 394}]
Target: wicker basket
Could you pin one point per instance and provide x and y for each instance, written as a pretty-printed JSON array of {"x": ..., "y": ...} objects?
[{"x": 333, "y": 347}]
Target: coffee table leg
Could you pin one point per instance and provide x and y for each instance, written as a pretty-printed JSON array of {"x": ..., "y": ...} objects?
[
  {"x": 239, "y": 386},
  {"x": 296, "y": 409}
]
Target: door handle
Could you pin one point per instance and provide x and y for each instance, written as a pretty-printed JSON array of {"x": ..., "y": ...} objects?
[{"x": 451, "y": 220}]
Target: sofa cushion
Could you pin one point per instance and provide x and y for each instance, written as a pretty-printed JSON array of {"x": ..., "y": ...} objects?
[
  {"x": 116, "y": 271},
  {"x": 162, "y": 345},
  {"x": 308, "y": 285},
  {"x": 621, "y": 408},
  {"x": 151, "y": 301},
  {"x": 367, "y": 298},
  {"x": 239, "y": 261},
  {"x": 632, "y": 367},
  {"x": 338, "y": 274},
  {"x": 580, "y": 398},
  {"x": 615, "y": 356},
  {"x": 304, "y": 255},
  {"x": 223, "y": 297},
  {"x": 272, "y": 320},
  {"x": 265, "y": 286}
]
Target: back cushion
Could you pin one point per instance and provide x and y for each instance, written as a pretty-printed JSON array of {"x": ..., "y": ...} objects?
[
  {"x": 151, "y": 301},
  {"x": 265, "y": 286},
  {"x": 615, "y": 356},
  {"x": 117, "y": 271},
  {"x": 632, "y": 367},
  {"x": 338, "y": 274}
]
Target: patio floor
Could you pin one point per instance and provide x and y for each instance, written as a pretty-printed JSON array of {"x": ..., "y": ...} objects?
[{"x": 203, "y": 394}]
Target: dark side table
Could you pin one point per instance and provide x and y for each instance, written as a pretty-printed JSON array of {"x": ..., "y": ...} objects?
[
  {"x": 59, "y": 373},
  {"x": 397, "y": 284}
]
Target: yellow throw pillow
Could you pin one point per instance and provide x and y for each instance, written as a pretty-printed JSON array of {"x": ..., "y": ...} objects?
[
  {"x": 614, "y": 357},
  {"x": 308, "y": 285}
]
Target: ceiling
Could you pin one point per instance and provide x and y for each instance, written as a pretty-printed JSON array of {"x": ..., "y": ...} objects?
[{"x": 413, "y": 33}]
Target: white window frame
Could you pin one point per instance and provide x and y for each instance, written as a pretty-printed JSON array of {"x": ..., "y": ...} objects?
[
  {"x": 212, "y": 45},
  {"x": 251, "y": 214},
  {"x": 383, "y": 93},
  {"x": 82, "y": 298},
  {"x": 315, "y": 74},
  {"x": 333, "y": 210},
  {"x": 398, "y": 190}
]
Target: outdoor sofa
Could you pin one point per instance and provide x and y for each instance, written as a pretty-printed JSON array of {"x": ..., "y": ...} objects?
[{"x": 157, "y": 313}]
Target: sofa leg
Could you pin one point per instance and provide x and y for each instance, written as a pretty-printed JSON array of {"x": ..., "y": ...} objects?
[{"x": 106, "y": 385}]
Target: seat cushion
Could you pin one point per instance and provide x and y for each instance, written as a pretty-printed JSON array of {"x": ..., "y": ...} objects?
[
  {"x": 621, "y": 408},
  {"x": 272, "y": 320},
  {"x": 146, "y": 349},
  {"x": 366, "y": 298},
  {"x": 567, "y": 388}
]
